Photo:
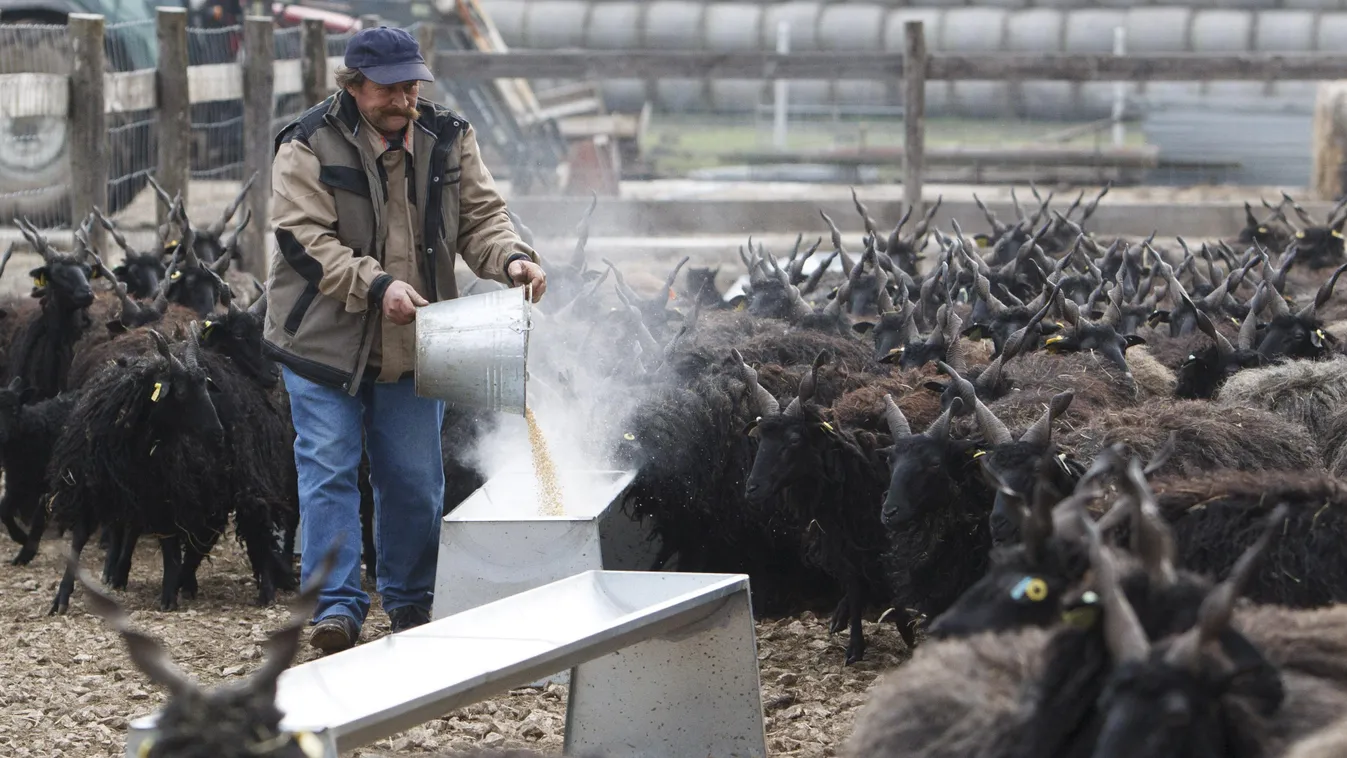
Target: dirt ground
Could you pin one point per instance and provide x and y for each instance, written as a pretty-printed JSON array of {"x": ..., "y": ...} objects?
[{"x": 68, "y": 689}]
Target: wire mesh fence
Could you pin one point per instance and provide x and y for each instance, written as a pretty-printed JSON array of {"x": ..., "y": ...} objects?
[
  {"x": 217, "y": 125},
  {"x": 34, "y": 159},
  {"x": 285, "y": 107},
  {"x": 132, "y": 142}
]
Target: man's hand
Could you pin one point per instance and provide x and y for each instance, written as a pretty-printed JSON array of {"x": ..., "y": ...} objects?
[
  {"x": 400, "y": 303},
  {"x": 524, "y": 272}
]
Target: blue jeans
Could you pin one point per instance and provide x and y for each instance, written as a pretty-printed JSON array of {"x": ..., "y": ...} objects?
[{"x": 402, "y": 439}]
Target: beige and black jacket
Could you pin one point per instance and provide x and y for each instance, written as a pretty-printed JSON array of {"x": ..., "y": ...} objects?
[{"x": 338, "y": 249}]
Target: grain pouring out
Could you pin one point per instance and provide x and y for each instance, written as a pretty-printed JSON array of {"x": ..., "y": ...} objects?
[{"x": 549, "y": 490}]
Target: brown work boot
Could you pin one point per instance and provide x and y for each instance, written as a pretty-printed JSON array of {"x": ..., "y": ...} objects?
[{"x": 334, "y": 634}]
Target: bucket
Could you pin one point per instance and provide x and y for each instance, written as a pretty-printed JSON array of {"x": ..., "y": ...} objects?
[{"x": 472, "y": 351}]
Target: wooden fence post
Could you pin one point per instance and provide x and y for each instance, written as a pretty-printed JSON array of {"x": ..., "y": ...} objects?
[
  {"x": 313, "y": 61},
  {"x": 88, "y": 124},
  {"x": 914, "y": 114},
  {"x": 425, "y": 39},
  {"x": 175, "y": 108},
  {"x": 259, "y": 56}
]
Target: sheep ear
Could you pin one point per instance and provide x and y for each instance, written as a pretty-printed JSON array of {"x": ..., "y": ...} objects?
[
  {"x": 115, "y": 327},
  {"x": 39, "y": 275},
  {"x": 863, "y": 327},
  {"x": 1133, "y": 340},
  {"x": 1157, "y": 317},
  {"x": 975, "y": 332},
  {"x": 751, "y": 428},
  {"x": 936, "y": 387}
]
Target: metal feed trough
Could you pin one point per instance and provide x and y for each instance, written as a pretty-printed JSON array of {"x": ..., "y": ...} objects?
[
  {"x": 498, "y": 542},
  {"x": 664, "y": 665}
]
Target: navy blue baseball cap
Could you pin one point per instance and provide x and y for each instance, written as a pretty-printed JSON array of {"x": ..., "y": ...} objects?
[{"x": 387, "y": 56}]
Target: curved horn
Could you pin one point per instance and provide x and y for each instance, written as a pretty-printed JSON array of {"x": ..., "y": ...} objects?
[
  {"x": 939, "y": 429},
  {"x": 1152, "y": 540},
  {"x": 217, "y": 228},
  {"x": 761, "y": 401},
  {"x": 1125, "y": 637},
  {"x": 837, "y": 243},
  {"x": 807, "y": 385},
  {"x": 1041, "y": 431},
  {"x": 259, "y": 306},
  {"x": 1325, "y": 292},
  {"x": 1248, "y": 330},
  {"x": 893, "y": 415},
  {"x": 1218, "y": 606},
  {"x": 192, "y": 355},
  {"x": 992, "y": 427}
]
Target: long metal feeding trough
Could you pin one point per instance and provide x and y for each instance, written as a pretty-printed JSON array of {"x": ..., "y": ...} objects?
[{"x": 498, "y": 542}]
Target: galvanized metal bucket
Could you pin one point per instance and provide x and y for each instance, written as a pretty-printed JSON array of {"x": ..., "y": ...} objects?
[{"x": 473, "y": 351}]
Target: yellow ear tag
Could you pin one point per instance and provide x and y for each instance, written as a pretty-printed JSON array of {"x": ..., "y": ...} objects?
[
  {"x": 1337, "y": 234},
  {"x": 629, "y": 437},
  {"x": 979, "y": 453},
  {"x": 309, "y": 743},
  {"x": 39, "y": 281},
  {"x": 176, "y": 275},
  {"x": 1300, "y": 235},
  {"x": 1031, "y": 587},
  {"x": 1320, "y": 334},
  {"x": 1262, "y": 230},
  {"x": 206, "y": 326},
  {"x": 741, "y": 306},
  {"x": 154, "y": 396},
  {"x": 144, "y": 750},
  {"x": 827, "y": 426},
  {"x": 1054, "y": 339}
]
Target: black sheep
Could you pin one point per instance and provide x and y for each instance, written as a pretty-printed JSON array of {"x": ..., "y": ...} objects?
[
  {"x": 28, "y": 431},
  {"x": 935, "y": 512},
  {"x": 829, "y": 478},
  {"x": 146, "y": 446},
  {"x": 46, "y": 341}
]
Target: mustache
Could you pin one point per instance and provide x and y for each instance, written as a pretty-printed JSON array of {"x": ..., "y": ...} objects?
[{"x": 405, "y": 111}]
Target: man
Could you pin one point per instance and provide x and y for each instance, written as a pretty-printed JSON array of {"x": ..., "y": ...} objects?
[{"x": 376, "y": 191}]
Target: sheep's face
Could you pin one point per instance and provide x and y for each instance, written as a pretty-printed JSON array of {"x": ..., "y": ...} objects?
[
  {"x": 1271, "y": 235},
  {"x": 904, "y": 256},
  {"x": 770, "y": 299},
  {"x": 918, "y": 354},
  {"x": 66, "y": 279},
  {"x": 182, "y": 402},
  {"x": 701, "y": 285},
  {"x": 786, "y": 454},
  {"x": 1295, "y": 337},
  {"x": 887, "y": 333},
  {"x": 1018, "y": 591},
  {"x": 142, "y": 274},
  {"x": 239, "y": 335},
  {"x": 1015, "y": 467},
  {"x": 1099, "y": 338},
  {"x": 865, "y": 296},
  {"x": 193, "y": 288},
  {"x": 1153, "y": 709},
  {"x": 919, "y": 480},
  {"x": 1001, "y": 327},
  {"x": 228, "y": 722},
  {"x": 1320, "y": 246},
  {"x": 1204, "y": 371}
]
